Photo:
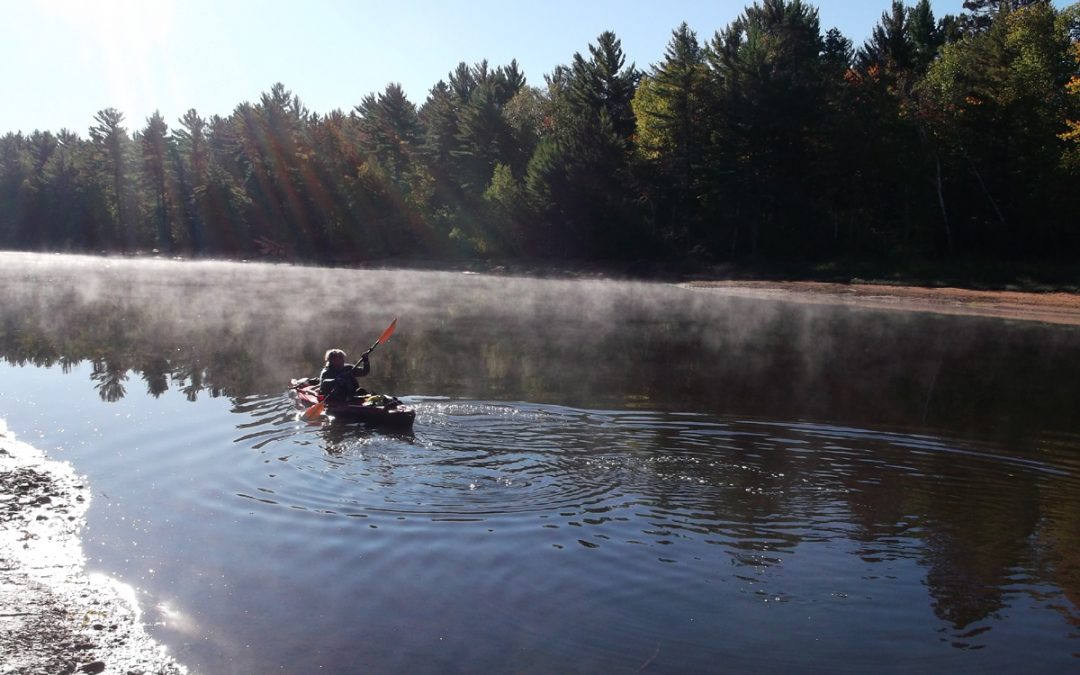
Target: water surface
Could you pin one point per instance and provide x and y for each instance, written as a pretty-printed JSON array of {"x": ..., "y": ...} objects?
[{"x": 603, "y": 477}]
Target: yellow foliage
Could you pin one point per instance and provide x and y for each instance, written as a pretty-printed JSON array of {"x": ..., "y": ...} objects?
[
  {"x": 1073, "y": 134},
  {"x": 652, "y": 137},
  {"x": 1073, "y": 86}
]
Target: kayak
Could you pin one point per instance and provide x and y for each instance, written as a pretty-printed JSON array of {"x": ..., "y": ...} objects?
[{"x": 372, "y": 409}]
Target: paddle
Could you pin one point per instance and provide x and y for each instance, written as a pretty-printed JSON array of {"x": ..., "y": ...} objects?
[
  {"x": 382, "y": 338},
  {"x": 314, "y": 411}
]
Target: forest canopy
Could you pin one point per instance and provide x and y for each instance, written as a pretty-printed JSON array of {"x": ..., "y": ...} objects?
[{"x": 771, "y": 138}]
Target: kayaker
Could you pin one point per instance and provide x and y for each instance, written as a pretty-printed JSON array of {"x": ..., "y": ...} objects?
[{"x": 337, "y": 381}]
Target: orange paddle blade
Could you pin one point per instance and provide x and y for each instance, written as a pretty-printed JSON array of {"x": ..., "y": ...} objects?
[
  {"x": 389, "y": 331},
  {"x": 314, "y": 411}
]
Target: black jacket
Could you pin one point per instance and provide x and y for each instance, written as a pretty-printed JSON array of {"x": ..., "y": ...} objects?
[{"x": 341, "y": 382}]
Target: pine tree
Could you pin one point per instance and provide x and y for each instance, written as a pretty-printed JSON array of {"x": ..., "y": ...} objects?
[
  {"x": 770, "y": 82},
  {"x": 192, "y": 159},
  {"x": 390, "y": 131},
  {"x": 156, "y": 155},
  {"x": 579, "y": 177},
  {"x": 116, "y": 215}
]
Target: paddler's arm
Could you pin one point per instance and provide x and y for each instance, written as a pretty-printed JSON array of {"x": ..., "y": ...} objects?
[
  {"x": 361, "y": 367},
  {"x": 328, "y": 380}
]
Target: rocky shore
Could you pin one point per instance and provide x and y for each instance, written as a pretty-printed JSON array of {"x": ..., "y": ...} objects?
[{"x": 55, "y": 618}]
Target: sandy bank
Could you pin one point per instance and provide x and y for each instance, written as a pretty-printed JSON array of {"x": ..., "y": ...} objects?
[
  {"x": 54, "y": 617},
  {"x": 1060, "y": 308}
]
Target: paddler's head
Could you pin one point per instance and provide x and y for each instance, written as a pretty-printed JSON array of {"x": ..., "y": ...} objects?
[{"x": 335, "y": 358}]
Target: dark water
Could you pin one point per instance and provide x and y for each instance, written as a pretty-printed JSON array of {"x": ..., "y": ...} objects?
[{"x": 603, "y": 476}]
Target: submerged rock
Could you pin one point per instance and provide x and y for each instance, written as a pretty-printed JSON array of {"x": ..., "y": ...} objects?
[{"x": 54, "y": 617}]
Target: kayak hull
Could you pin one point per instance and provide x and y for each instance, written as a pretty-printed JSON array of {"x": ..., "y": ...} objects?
[{"x": 377, "y": 410}]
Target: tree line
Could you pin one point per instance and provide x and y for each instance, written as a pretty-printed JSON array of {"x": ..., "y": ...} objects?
[{"x": 957, "y": 136}]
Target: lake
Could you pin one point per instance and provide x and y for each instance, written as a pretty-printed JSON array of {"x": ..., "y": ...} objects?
[{"x": 603, "y": 476}]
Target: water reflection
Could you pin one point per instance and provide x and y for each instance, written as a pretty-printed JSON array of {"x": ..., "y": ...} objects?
[
  {"x": 590, "y": 461},
  {"x": 982, "y": 524},
  {"x": 223, "y": 329}
]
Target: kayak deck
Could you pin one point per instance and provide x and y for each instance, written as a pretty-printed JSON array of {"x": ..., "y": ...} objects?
[{"x": 368, "y": 408}]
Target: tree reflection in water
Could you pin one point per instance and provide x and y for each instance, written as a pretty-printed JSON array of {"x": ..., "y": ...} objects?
[
  {"x": 110, "y": 378},
  {"x": 236, "y": 330}
]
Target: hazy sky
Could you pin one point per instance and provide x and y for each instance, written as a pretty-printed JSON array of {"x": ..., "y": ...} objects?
[{"x": 64, "y": 60}]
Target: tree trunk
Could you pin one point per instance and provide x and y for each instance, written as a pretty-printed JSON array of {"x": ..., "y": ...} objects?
[
  {"x": 986, "y": 191},
  {"x": 941, "y": 203}
]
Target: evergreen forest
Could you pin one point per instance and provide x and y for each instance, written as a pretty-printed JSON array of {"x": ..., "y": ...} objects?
[{"x": 771, "y": 139}]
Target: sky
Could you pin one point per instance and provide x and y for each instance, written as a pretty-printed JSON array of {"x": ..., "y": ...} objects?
[{"x": 65, "y": 60}]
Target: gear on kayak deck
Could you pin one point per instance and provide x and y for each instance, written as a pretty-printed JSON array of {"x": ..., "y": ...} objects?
[{"x": 377, "y": 410}]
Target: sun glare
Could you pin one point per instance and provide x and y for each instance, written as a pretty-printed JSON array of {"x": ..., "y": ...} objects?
[{"x": 130, "y": 42}]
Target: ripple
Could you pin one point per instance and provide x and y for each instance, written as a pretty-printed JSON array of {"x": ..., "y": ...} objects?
[{"x": 701, "y": 477}]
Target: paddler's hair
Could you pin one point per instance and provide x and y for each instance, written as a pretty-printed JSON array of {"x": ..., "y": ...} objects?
[{"x": 335, "y": 352}]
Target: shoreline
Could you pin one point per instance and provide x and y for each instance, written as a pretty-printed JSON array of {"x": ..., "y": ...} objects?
[
  {"x": 1058, "y": 307},
  {"x": 54, "y": 616}
]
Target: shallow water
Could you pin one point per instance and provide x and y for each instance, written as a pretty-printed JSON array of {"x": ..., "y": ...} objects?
[{"x": 603, "y": 476}]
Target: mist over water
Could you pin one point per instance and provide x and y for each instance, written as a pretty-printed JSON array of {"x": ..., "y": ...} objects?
[
  {"x": 603, "y": 476},
  {"x": 239, "y": 329}
]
